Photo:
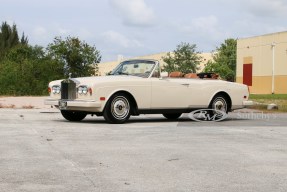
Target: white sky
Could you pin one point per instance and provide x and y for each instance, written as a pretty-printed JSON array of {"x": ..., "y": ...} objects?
[{"x": 141, "y": 27}]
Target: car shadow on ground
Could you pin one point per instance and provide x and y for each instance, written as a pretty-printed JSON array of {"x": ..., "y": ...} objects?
[{"x": 134, "y": 120}]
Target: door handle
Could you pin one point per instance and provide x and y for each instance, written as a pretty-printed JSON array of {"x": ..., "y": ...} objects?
[{"x": 185, "y": 84}]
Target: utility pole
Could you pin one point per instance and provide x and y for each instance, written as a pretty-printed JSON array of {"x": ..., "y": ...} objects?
[{"x": 273, "y": 66}]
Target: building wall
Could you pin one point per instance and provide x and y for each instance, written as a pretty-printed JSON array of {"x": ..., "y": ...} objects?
[
  {"x": 106, "y": 67},
  {"x": 258, "y": 51}
]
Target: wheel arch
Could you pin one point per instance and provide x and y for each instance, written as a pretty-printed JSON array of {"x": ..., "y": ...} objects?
[
  {"x": 226, "y": 95},
  {"x": 134, "y": 109}
]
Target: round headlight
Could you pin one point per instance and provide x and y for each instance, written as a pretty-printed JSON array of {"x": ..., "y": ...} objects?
[
  {"x": 80, "y": 90},
  {"x": 85, "y": 90},
  {"x": 56, "y": 89}
]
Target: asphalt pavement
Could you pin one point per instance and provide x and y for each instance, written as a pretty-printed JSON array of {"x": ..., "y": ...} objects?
[{"x": 40, "y": 151}]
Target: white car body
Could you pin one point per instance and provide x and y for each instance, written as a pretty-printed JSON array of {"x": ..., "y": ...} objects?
[{"x": 150, "y": 94}]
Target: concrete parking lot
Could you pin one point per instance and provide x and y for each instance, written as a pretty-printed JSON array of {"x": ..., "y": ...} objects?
[{"x": 40, "y": 151}]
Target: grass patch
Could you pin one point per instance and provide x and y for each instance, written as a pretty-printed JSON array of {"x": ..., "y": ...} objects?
[
  {"x": 268, "y": 97},
  {"x": 263, "y": 100}
]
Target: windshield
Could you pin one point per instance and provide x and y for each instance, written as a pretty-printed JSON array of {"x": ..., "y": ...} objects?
[{"x": 140, "y": 68}]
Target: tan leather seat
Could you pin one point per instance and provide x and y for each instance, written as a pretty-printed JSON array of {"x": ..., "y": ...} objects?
[
  {"x": 191, "y": 75},
  {"x": 215, "y": 76},
  {"x": 176, "y": 74}
]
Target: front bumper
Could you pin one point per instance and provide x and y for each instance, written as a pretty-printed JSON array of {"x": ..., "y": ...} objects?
[{"x": 73, "y": 103}]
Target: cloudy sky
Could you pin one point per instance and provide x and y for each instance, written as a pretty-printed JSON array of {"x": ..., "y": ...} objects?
[{"x": 141, "y": 27}]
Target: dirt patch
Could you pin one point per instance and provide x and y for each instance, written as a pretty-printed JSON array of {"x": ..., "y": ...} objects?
[{"x": 23, "y": 102}]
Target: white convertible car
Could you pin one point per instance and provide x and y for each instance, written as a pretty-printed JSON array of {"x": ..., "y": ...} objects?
[{"x": 136, "y": 87}]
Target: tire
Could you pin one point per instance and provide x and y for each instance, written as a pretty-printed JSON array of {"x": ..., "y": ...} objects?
[
  {"x": 118, "y": 109},
  {"x": 73, "y": 115},
  {"x": 220, "y": 102},
  {"x": 172, "y": 116}
]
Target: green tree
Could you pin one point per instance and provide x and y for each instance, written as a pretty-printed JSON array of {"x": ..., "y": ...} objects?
[
  {"x": 27, "y": 70},
  {"x": 9, "y": 38},
  {"x": 24, "y": 39},
  {"x": 78, "y": 57},
  {"x": 224, "y": 60},
  {"x": 184, "y": 59}
]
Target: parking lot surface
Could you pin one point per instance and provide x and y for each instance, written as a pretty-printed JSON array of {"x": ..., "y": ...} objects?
[{"x": 40, "y": 151}]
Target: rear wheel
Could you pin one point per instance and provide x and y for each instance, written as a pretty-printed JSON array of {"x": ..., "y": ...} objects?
[
  {"x": 117, "y": 109},
  {"x": 219, "y": 103},
  {"x": 172, "y": 116},
  {"x": 73, "y": 115}
]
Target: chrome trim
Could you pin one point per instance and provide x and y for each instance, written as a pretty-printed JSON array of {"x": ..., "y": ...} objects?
[{"x": 75, "y": 103}]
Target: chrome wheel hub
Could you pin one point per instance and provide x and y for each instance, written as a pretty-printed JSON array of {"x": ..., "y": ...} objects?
[
  {"x": 220, "y": 104},
  {"x": 120, "y": 107}
]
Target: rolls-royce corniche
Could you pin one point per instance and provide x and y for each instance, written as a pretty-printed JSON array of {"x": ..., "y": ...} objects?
[{"x": 137, "y": 87}]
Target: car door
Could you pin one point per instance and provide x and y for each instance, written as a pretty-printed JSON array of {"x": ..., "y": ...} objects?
[{"x": 169, "y": 93}]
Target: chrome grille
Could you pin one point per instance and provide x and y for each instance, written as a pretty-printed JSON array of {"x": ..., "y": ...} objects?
[{"x": 68, "y": 89}]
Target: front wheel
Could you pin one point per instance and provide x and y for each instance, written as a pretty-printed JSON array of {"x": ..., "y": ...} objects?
[
  {"x": 172, "y": 116},
  {"x": 73, "y": 115},
  {"x": 117, "y": 109}
]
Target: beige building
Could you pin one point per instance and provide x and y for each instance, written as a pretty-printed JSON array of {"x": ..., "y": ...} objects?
[
  {"x": 262, "y": 63},
  {"x": 106, "y": 67}
]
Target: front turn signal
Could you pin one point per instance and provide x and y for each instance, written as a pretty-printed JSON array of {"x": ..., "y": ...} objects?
[{"x": 90, "y": 90}]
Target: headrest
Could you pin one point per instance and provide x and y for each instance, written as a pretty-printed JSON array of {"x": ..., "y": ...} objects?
[
  {"x": 176, "y": 74},
  {"x": 191, "y": 75}
]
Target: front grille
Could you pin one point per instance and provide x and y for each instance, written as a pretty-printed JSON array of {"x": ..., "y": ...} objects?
[{"x": 68, "y": 89}]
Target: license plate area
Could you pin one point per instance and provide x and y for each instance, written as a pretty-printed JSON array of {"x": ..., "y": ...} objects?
[{"x": 62, "y": 104}]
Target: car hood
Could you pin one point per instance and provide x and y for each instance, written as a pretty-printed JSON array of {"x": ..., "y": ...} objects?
[{"x": 98, "y": 79}]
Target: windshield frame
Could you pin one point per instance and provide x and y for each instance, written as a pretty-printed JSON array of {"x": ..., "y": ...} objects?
[{"x": 118, "y": 69}]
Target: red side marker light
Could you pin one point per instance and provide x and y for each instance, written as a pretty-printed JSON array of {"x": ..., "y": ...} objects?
[
  {"x": 102, "y": 98},
  {"x": 49, "y": 90},
  {"x": 90, "y": 91}
]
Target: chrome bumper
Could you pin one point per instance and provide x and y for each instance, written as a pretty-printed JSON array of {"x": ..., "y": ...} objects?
[
  {"x": 73, "y": 103},
  {"x": 248, "y": 103}
]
